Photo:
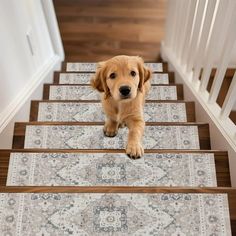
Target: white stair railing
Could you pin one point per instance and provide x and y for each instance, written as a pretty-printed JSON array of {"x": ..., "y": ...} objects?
[{"x": 200, "y": 36}]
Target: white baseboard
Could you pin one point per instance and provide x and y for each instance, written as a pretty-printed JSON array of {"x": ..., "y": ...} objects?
[
  {"x": 219, "y": 139},
  {"x": 19, "y": 108}
]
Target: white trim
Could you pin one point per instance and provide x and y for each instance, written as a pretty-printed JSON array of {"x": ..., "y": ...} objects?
[
  {"x": 11, "y": 110},
  {"x": 53, "y": 29}
]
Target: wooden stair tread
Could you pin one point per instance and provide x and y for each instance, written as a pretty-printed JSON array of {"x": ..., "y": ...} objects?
[
  {"x": 66, "y": 208},
  {"x": 20, "y": 128},
  {"x": 178, "y": 90},
  {"x": 231, "y": 192},
  {"x": 189, "y": 108},
  {"x": 221, "y": 160},
  {"x": 97, "y": 101},
  {"x": 101, "y": 123},
  {"x": 64, "y": 65},
  {"x": 118, "y": 189},
  {"x": 56, "y": 78}
]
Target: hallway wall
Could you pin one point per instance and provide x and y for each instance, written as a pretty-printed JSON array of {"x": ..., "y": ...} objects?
[{"x": 27, "y": 56}]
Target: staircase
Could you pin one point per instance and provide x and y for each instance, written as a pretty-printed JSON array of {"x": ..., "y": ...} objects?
[{"x": 63, "y": 177}]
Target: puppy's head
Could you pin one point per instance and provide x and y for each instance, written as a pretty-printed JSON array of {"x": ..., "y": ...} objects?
[{"x": 121, "y": 77}]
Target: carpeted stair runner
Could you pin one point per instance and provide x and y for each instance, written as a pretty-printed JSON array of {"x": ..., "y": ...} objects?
[
  {"x": 114, "y": 214},
  {"x": 93, "y": 112},
  {"x": 100, "y": 190},
  {"x": 91, "y": 67},
  {"x": 82, "y": 137},
  {"x": 112, "y": 169},
  {"x": 84, "y": 78},
  {"x": 86, "y": 92}
]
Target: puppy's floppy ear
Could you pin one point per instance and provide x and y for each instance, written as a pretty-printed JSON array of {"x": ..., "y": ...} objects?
[
  {"x": 96, "y": 80},
  {"x": 99, "y": 79},
  {"x": 144, "y": 73}
]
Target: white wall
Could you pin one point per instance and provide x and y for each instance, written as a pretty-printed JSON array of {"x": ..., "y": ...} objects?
[
  {"x": 233, "y": 59},
  {"x": 22, "y": 69}
]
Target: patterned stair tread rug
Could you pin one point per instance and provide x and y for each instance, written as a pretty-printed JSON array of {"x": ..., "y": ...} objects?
[
  {"x": 93, "y": 112},
  {"x": 92, "y": 137},
  {"x": 112, "y": 169},
  {"x": 84, "y": 78},
  {"x": 91, "y": 67},
  {"x": 114, "y": 214},
  {"x": 76, "y": 92}
]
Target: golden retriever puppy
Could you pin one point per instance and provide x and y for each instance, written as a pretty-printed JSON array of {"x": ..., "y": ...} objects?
[{"x": 124, "y": 82}]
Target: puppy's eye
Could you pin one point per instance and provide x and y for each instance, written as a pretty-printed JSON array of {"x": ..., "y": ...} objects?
[
  {"x": 133, "y": 73},
  {"x": 112, "y": 76}
]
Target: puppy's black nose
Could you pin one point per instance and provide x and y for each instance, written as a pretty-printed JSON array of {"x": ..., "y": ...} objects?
[{"x": 125, "y": 90}]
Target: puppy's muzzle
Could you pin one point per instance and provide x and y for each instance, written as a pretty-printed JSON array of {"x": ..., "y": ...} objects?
[{"x": 125, "y": 91}]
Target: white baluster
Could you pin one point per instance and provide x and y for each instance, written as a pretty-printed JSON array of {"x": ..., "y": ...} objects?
[
  {"x": 177, "y": 25},
  {"x": 184, "y": 23},
  {"x": 200, "y": 15},
  {"x": 169, "y": 23},
  {"x": 181, "y": 16},
  {"x": 175, "y": 9},
  {"x": 225, "y": 54},
  {"x": 215, "y": 40},
  {"x": 200, "y": 54},
  {"x": 190, "y": 23},
  {"x": 230, "y": 99}
]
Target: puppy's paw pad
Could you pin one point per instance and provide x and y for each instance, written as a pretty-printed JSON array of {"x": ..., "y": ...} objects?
[{"x": 134, "y": 151}]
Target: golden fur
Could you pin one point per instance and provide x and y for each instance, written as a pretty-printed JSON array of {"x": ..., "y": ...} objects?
[{"x": 110, "y": 76}]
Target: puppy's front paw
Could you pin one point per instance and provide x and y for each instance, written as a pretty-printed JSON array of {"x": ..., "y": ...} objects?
[
  {"x": 134, "y": 150},
  {"x": 110, "y": 131}
]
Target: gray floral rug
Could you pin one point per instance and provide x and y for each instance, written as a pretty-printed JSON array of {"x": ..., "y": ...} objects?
[
  {"x": 75, "y": 92},
  {"x": 91, "y": 67},
  {"x": 111, "y": 169},
  {"x": 92, "y": 112},
  {"x": 114, "y": 214},
  {"x": 84, "y": 78},
  {"x": 82, "y": 137}
]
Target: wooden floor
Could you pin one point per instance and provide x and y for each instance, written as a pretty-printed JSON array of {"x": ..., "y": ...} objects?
[{"x": 94, "y": 30}]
